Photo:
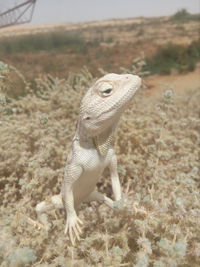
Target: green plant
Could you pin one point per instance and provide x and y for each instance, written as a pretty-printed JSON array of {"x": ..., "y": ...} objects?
[
  {"x": 43, "y": 42},
  {"x": 174, "y": 57},
  {"x": 183, "y": 15}
]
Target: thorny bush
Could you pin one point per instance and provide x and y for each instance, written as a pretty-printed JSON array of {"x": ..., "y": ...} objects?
[{"x": 158, "y": 146}]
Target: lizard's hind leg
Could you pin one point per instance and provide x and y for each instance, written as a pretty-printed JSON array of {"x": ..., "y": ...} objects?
[
  {"x": 55, "y": 202},
  {"x": 96, "y": 196}
]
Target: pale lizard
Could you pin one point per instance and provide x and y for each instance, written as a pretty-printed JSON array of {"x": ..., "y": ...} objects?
[{"x": 92, "y": 149}]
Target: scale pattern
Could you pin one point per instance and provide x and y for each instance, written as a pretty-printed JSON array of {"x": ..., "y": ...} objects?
[{"x": 92, "y": 149}]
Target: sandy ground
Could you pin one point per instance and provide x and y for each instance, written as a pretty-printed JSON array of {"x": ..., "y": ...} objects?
[{"x": 179, "y": 83}]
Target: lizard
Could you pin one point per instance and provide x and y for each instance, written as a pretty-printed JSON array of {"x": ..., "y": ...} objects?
[{"x": 92, "y": 150}]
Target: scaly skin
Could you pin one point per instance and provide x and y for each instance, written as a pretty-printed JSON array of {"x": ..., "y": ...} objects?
[{"x": 92, "y": 149}]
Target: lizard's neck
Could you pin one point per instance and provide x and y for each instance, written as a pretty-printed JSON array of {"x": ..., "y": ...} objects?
[{"x": 102, "y": 142}]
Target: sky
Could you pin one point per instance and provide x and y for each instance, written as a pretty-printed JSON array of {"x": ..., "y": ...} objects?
[{"x": 62, "y": 11}]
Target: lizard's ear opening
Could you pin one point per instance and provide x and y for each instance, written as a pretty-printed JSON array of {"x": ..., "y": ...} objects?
[{"x": 86, "y": 117}]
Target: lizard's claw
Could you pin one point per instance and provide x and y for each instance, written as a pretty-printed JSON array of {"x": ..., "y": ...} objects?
[{"x": 73, "y": 227}]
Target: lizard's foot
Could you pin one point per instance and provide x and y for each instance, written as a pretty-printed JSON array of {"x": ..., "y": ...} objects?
[
  {"x": 36, "y": 224},
  {"x": 45, "y": 206},
  {"x": 73, "y": 228},
  {"x": 119, "y": 205}
]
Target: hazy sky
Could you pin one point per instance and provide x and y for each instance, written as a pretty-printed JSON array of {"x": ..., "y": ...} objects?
[{"x": 59, "y": 11}]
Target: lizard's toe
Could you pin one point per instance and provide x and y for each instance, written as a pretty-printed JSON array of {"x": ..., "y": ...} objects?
[{"x": 73, "y": 228}]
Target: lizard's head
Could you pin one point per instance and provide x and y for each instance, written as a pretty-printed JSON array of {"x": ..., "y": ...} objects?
[{"x": 105, "y": 101}]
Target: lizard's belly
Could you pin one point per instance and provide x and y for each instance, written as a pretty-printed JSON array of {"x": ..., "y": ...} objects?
[
  {"x": 85, "y": 185},
  {"x": 92, "y": 170}
]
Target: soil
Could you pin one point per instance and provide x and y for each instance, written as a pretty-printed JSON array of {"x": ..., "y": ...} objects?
[{"x": 179, "y": 83}]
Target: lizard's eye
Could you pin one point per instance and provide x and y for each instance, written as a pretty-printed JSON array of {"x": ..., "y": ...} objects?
[{"x": 106, "y": 89}]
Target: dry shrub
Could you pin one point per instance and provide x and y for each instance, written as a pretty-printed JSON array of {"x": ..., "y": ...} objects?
[{"x": 158, "y": 146}]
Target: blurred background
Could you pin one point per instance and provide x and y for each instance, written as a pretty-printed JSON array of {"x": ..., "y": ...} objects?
[{"x": 46, "y": 37}]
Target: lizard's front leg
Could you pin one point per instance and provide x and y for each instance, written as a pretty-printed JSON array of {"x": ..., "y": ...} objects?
[
  {"x": 72, "y": 173},
  {"x": 116, "y": 186}
]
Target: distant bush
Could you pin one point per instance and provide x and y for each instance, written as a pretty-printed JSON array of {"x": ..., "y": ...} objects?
[
  {"x": 42, "y": 41},
  {"x": 174, "y": 57},
  {"x": 183, "y": 15}
]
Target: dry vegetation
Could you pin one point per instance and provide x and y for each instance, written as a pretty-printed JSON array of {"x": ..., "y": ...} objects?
[
  {"x": 158, "y": 147},
  {"x": 157, "y": 143},
  {"x": 57, "y": 49}
]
